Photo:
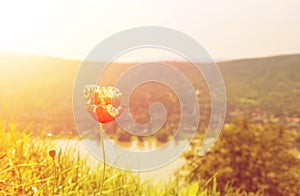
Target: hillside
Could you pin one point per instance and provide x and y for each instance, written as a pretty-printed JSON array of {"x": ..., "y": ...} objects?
[
  {"x": 39, "y": 89},
  {"x": 271, "y": 84}
]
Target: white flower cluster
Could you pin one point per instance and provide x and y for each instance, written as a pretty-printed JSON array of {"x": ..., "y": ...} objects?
[
  {"x": 113, "y": 111},
  {"x": 90, "y": 91},
  {"x": 101, "y": 93}
]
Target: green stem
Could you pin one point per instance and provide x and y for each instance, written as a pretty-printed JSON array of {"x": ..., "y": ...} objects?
[
  {"x": 104, "y": 158},
  {"x": 54, "y": 180}
]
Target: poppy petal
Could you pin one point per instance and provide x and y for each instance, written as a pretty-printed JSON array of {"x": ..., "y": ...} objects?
[{"x": 103, "y": 116}]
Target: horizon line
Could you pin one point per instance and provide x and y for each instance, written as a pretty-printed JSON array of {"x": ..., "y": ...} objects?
[{"x": 216, "y": 60}]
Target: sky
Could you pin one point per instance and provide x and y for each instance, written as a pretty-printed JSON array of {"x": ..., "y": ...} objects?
[{"x": 227, "y": 29}]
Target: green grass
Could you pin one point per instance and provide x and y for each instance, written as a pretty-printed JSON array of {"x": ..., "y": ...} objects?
[{"x": 26, "y": 168}]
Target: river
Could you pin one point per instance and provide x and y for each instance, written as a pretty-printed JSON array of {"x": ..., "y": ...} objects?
[{"x": 161, "y": 174}]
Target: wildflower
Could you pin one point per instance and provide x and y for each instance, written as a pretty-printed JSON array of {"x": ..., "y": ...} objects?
[
  {"x": 103, "y": 103},
  {"x": 52, "y": 153}
]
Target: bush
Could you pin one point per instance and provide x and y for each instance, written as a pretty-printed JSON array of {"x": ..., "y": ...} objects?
[
  {"x": 123, "y": 136},
  {"x": 162, "y": 136},
  {"x": 33, "y": 166},
  {"x": 250, "y": 158}
]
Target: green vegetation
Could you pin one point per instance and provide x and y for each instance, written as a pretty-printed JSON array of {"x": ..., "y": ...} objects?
[
  {"x": 32, "y": 166},
  {"x": 271, "y": 84},
  {"x": 162, "y": 136},
  {"x": 123, "y": 136},
  {"x": 268, "y": 86},
  {"x": 249, "y": 158},
  {"x": 261, "y": 161},
  {"x": 252, "y": 157}
]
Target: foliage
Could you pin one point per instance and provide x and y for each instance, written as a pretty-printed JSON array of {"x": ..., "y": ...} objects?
[
  {"x": 32, "y": 166},
  {"x": 123, "y": 136},
  {"x": 162, "y": 136},
  {"x": 249, "y": 158},
  {"x": 271, "y": 84}
]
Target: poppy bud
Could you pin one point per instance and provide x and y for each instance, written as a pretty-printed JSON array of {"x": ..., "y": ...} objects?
[{"x": 52, "y": 153}]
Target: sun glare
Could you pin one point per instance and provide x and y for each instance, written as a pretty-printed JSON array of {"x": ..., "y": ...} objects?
[{"x": 23, "y": 24}]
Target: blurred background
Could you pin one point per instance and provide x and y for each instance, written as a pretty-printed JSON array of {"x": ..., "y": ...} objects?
[{"x": 255, "y": 44}]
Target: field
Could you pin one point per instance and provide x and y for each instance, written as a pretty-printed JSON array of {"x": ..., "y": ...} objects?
[{"x": 257, "y": 154}]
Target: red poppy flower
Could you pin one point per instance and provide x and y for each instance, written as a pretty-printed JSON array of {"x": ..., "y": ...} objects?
[{"x": 103, "y": 102}]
